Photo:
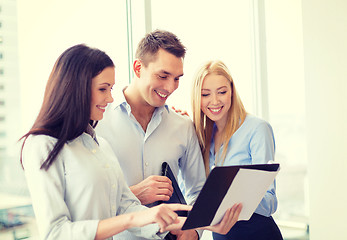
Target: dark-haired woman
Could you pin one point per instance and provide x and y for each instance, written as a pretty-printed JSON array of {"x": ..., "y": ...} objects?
[{"x": 77, "y": 187}]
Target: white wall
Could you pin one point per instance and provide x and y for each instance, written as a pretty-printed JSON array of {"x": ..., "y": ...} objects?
[
  {"x": 47, "y": 28},
  {"x": 325, "y": 51}
]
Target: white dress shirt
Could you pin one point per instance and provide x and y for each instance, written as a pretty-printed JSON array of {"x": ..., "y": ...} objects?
[{"x": 85, "y": 184}]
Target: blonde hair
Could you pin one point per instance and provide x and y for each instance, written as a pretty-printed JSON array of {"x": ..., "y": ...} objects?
[{"x": 204, "y": 125}]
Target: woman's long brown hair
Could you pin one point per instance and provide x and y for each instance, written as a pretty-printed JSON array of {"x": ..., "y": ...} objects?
[{"x": 65, "y": 111}]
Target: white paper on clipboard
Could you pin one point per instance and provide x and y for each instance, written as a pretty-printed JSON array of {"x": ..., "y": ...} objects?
[{"x": 240, "y": 192}]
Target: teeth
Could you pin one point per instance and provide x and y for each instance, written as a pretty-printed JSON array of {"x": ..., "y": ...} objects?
[
  {"x": 161, "y": 95},
  {"x": 215, "y": 109},
  {"x": 101, "y": 107}
]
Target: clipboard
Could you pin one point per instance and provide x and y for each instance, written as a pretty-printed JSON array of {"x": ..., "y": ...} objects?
[
  {"x": 227, "y": 185},
  {"x": 177, "y": 196}
]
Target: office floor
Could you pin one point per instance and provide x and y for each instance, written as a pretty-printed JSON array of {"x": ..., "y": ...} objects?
[{"x": 288, "y": 234}]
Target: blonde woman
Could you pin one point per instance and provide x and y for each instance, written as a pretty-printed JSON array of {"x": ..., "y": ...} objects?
[{"x": 228, "y": 135}]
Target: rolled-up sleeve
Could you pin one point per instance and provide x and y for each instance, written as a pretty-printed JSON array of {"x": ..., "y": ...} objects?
[{"x": 262, "y": 147}]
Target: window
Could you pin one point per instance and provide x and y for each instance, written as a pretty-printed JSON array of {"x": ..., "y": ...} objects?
[
  {"x": 105, "y": 30},
  {"x": 286, "y": 112},
  {"x": 209, "y": 40},
  {"x": 220, "y": 29},
  {"x": 2, "y": 154}
]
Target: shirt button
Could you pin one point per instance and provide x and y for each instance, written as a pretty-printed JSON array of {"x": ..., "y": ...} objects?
[
  {"x": 146, "y": 164},
  {"x": 93, "y": 150},
  {"x": 107, "y": 166},
  {"x": 114, "y": 186}
]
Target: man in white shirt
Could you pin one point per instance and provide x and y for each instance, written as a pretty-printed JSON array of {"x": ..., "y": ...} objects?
[{"x": 144, "y": 132}]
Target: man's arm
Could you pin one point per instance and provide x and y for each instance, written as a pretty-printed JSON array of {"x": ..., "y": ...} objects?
[
  {"x": 192, "y": 167},
  {"x": 193, "y": 173}
]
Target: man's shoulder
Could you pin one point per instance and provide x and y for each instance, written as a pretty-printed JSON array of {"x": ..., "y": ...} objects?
[{"x": 179, "y": 118}]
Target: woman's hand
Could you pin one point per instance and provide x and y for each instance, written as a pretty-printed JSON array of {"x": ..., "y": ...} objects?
[
  {"x": 163, "y": 214},
  {"x": 231, "y": 216},
  {"x": 183, "y": 113}
]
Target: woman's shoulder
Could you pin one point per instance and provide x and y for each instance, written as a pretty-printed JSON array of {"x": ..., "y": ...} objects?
[
  {"x": 253, "y": 120},
  {"x": 36, "y": 148},
  {"x": 254, "y": 123},
  {"x": 39, "y": 140}
]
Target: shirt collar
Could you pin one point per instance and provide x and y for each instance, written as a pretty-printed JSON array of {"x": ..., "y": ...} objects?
[
  {"x": 161, "y": 109},
  {"x": 90, "y": 130}
]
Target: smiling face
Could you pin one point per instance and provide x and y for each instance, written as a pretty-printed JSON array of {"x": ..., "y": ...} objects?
[
  {"x": 101, "y": 93},
  {"x": 216, "y": 96},
  {"x": 160, "y": 78}
]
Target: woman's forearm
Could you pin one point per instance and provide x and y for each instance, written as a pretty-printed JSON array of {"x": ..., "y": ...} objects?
[{"x": 112, "y": 226}]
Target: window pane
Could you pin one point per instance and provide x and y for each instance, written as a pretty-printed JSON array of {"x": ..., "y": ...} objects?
[
  {"x": 287, "y": 111},
  {"x": 222, "y": 29},
  {"x": 25, "y": 68},
  {"x": 217, "y": 30}
]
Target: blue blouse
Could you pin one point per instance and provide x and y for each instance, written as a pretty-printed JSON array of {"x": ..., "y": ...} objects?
[{"x": 252, "y": 143}]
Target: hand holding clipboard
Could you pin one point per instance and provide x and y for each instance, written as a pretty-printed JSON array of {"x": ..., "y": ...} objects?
[
  {"x": 226, "y": 186},
  {"x": 223, "y": 227}
]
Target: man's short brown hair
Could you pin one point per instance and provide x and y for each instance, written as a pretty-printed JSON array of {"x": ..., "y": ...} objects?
[{"x": 153, "y": 41}]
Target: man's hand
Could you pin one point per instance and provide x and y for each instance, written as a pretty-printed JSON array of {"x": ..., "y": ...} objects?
[
  {"x": 186, "y": 235},
  {"x": 152, "y": 189}
]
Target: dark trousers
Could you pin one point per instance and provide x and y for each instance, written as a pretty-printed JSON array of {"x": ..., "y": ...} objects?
[{"x": 257, "y": 227}]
